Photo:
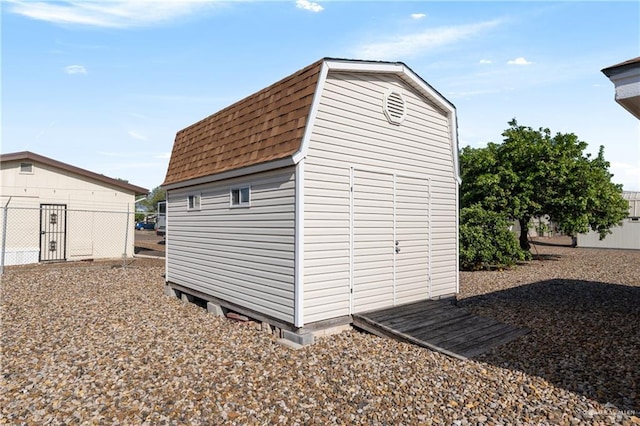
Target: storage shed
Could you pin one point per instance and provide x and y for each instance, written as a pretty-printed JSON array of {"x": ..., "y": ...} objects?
[
  {"x": 624, "y": 236},
  {"x": 331, "y": 192}
]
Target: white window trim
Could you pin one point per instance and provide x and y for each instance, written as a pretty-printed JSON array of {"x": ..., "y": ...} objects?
[
  {"x": 241, "y": 204},
  {"x": 27, "y": 173},
  {"x": 199, "y": 199}
]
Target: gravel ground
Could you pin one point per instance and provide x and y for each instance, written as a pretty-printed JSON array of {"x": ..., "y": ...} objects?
[
  {"x": 583, "y": 309},
  {"x": 96, "y": 344}
]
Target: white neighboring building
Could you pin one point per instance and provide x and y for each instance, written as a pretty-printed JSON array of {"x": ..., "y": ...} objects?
[
  {"x": 626, "y": 78},
  {"x": 58, "y": 212},
  {"x": 331, "y": 192},
  {"x": 625, "y": 236}
]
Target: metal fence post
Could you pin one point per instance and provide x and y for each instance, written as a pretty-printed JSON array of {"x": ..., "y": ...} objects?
[
  {"x": 4, "y": 234},
  {"x": 126, "y": 240}
]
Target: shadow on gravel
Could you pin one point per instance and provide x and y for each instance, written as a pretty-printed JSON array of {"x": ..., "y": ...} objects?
[
  {"x": 545, "y": 256},
  {"x": 585, "y": 336},
  {"x": 147, "y": 252},
  {"x": 552, "y": 242}
]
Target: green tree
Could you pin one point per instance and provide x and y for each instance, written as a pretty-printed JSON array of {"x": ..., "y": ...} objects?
[
  {"x": 150, "y": 203},
  {"x": 533, "y": 173},
  {"x": 486, "y": 241}
]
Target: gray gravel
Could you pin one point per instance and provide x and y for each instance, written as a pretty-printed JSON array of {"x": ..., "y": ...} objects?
[
  {"x": 583, "y": 307},
  {"x": 96, "y": 344}
]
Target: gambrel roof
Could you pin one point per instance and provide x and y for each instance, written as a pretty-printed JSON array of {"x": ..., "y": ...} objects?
[
  {"x": 272, "y": 125},
  {"x": 268, "y": 125}
]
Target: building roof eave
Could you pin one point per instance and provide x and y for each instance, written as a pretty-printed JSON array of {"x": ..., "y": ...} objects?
[{"x": 31, "y": 156}]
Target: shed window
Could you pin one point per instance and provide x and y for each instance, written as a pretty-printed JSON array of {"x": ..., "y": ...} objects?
[
  {"x": 241, "y": 197},
  {"x": 26, "y": 168},
  {"x": 193, "y": 202}
]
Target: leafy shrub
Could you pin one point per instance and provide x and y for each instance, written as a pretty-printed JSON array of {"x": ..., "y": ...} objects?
[{"x": 486, "y": 241}]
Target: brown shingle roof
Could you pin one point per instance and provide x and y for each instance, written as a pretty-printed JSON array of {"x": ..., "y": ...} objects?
[
  {"x": 30, "y": 156},
  {"x": 268, "y": 125}
]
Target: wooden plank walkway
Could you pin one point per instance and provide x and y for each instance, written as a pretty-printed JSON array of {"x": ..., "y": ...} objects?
[{"x": 439, "y": 325}]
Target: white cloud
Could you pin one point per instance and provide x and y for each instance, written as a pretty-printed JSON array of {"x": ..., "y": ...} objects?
[
  {"x": 163, "y": 156},
  {"x": 136, "y": 135},
  {"x": 309, "y": 5},
  {"x": 519, "y": 61},
  {"x": 109, "y": 14},
  {"x": 418, "y": 15},
  {"x": 485, "y": 61},
  {"x": 402, "y": 46},
  {"x": 75, "y": 69}
]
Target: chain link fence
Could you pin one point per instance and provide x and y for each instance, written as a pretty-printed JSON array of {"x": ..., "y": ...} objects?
[{"x": 53, "y": 232}]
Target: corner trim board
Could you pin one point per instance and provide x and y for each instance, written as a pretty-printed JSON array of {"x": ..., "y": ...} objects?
[{"x": 298, "y": 292}]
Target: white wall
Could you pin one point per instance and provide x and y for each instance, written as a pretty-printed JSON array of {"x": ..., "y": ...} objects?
[
  {"x": 352, "y": 130},
  {"x": 241, "y": 255},
  {"x": 90, "y": 235},
  {"x": 625, "y": 236}
]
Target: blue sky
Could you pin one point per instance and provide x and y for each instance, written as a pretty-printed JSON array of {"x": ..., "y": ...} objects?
[{"x": 105, "y": 85}]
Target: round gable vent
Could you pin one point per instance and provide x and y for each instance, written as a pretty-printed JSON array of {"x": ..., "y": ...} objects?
[{"x": 395, "y": 108}]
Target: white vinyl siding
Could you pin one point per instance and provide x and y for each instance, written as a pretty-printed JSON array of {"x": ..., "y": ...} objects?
[
  {"x": 390, "y": 226},
  {"x": 373, "y": 240},
  {"x": 351, "y": 129},
  {"x": 244, "y": 256},
  {"x": 412, "y": 234}
]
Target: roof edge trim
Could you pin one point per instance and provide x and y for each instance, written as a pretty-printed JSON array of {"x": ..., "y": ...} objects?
[
  {"x": 397, "y": 68},
  {"x": 28, "y": 155},
  {"x": 256, "y": 168},
  {"x": 313, "y": 112},
  {"x": 346, "y": 65},
  {"x": 621, "y": 67}
]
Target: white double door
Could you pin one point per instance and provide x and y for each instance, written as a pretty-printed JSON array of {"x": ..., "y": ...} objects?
[{"x": 389, "y": 239}]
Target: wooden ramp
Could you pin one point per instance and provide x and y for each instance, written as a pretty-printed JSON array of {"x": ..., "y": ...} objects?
[{"x": 438, "y": 325}]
